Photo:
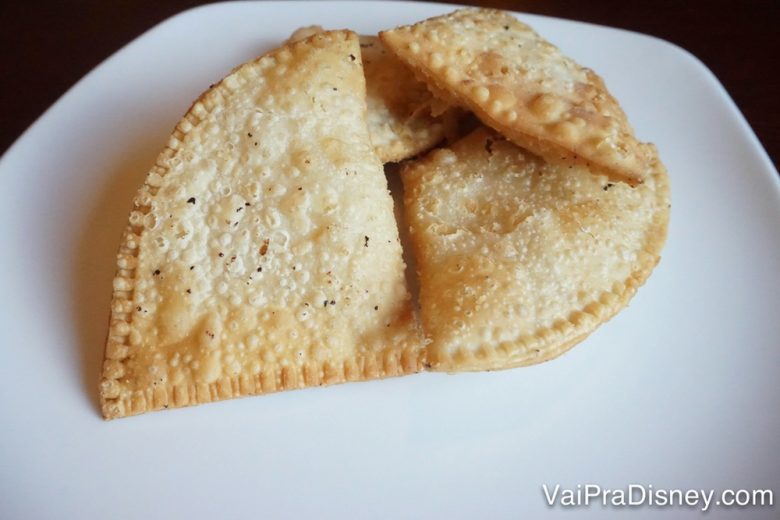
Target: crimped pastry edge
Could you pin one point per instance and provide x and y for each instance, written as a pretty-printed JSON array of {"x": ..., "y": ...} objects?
[
  {"x": 500, "y": 119},
  {"x": 364, "y": 366},
  {"x": 547, "y": 343}
]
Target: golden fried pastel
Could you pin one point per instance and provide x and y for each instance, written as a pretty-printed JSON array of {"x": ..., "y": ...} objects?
[
  {"x": 524, "y": 87},
  {"x": 520, "y": 259},
  {"x": 262, "y": 253},
  {"x": 400, "y": 108}
]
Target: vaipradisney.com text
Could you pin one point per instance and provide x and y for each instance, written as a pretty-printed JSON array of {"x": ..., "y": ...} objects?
[{"x": 647, "y": 495}]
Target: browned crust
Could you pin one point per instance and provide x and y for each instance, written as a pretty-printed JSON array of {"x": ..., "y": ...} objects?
[
  {"x": 507, "y": 122},
  {"x": 364, "y": 366}
]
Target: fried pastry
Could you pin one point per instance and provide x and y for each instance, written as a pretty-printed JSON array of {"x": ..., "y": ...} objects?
[
  {"x": 521, "y": 85},
  {"x": 520, "y": 259},
  {"x": 262, "y": 253},
  {"x": 403, "y": 117}
]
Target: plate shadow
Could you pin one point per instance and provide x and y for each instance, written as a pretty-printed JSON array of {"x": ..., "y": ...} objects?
[{"x": 94, "y": 259}]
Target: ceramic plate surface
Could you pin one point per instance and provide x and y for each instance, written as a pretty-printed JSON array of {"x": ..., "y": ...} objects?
[{"x": 680, "y": 390}]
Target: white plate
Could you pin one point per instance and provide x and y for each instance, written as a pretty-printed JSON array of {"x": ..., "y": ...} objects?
[{"x": 680, "y": 390}]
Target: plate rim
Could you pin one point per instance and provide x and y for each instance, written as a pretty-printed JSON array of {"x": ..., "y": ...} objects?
[{"x": 660, "y": 42}]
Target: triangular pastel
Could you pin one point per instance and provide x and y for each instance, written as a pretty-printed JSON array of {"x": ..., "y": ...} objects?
[
  {"x": 520, "y": 259},
  {"x": 521, "y": 85}
]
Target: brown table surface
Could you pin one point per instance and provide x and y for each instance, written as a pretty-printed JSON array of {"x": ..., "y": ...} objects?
[{"x": 48, "y": 46}]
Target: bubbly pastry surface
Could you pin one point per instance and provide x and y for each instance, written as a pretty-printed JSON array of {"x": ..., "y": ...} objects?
[
  {"x": 521, "y": 85},
  {"x": 262, "y": 253},
  {"x": 520, "y": 259},
  {"x": 400, "y": 107}
]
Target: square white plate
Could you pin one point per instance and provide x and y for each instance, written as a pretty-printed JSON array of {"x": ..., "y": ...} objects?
[{"x": 681, "y": 390}]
